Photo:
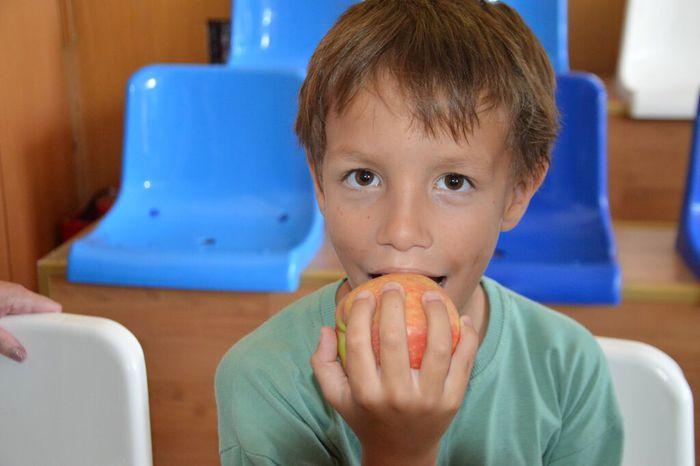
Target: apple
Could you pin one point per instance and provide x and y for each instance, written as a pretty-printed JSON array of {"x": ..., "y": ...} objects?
[{"x": 414, "y": 286}]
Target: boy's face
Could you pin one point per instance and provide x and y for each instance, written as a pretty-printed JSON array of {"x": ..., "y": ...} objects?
[{"x": 397, "y": 199}]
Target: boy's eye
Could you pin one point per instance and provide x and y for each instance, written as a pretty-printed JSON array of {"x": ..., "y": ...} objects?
[
  {"x": 454, "y": 182},
  {"x": 361, "y": 178}
]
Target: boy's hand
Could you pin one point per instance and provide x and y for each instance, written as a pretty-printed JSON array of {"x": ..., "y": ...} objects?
[
  {"x": 399, "y": 414},
  {"x": 15, "y": 299}
]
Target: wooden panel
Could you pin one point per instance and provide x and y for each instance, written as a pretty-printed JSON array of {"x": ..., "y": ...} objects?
[
  {"x": 595, "y": 28},
  {"x": 651, "y": 268},
  {"x": 647, "y": 165},
  {"x": 111, "y": 39},
  {"x": 35, "y": 135}
]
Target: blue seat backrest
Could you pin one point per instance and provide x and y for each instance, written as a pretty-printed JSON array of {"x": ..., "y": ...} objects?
[
  {"x": 198, "y": 134},
  {"x": 688, "y": 239},
  {"x": 280, "y": 33},
  {"x": 578, "y": 170},
  {"x": 284, "y": 33},
  {"x": 215, "y": 192},
  {"x": 691, "y": 202},
  {"x": 548, "y": 20}
]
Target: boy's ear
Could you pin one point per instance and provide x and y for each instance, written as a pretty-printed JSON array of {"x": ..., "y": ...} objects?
[
  {"x": 320, "y": 197},
  {"x": 520, "y": 196}
]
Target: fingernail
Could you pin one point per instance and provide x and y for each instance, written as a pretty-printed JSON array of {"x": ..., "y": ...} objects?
[
  {"x": 364, "y": 294},
  {"x": 18, "y": 354},
  {"x": 431, "y": 295},
  {"x": 392, "y": 286}
]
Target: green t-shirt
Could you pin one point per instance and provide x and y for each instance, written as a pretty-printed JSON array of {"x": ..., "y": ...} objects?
[{"x": 539, "y": 393}]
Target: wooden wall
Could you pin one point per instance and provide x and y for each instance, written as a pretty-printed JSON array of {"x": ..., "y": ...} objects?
[
  {"x": 37, "y": 170},
  {"x": 595, "y": 27},
  {"x": 108, "y": 41},
  {"x": 647, "y": 165}
]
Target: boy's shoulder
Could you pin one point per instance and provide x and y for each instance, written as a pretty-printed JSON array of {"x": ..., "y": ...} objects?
[
  {"x": 268, "y": 403},
  {"x": 543, "y": 377},
  {"x": 536, "y": 319},
  {"x": 290, "y": 333},
  {"x": 547, "y": 336}
]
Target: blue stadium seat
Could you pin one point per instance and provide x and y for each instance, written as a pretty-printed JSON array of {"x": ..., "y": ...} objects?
[
  {"x": 548, "y": 20},
  {"x": 215, "y": 189},
  {"x": 563, "y": 250},
  {"x": 688, "y": 240},
  {"x": 284, "y": 34},
  {"x": 274, "y": 34}
]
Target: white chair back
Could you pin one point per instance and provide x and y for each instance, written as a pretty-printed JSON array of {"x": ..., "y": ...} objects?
[
  {"x": 79, "y": 399},
  {"x": 656, "y": 404},
  {"x": 658, "y": 66}
]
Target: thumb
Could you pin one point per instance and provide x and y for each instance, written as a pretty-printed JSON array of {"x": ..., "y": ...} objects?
[
  {"x": 11, "y": 347},
  {"x": 328, "y": 371}
]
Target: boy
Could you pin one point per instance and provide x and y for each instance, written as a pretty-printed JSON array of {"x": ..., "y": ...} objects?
[{"x": 428, "y": 126}]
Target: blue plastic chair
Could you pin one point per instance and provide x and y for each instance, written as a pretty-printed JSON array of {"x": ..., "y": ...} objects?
[
  {"x": 548, "y": 20},
  {"x": 215, "y": 189},
  {"x": 284, "y": 34},
  {"x": 563, "y": 250},
  {"x": 688, "y": 239},
  {"x": 274, "y": 34},
  {"x": 183, "y": 218}
]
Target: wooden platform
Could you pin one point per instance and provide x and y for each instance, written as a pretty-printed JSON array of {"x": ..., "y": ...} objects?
[{"x": 185, "y": 333}]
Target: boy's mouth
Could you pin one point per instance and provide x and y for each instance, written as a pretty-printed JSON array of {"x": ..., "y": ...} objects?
[{"x": 440, "y": 280}]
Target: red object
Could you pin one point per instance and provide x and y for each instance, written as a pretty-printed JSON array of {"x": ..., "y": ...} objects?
[
  {"x": 416, "y": 321},
  {"x": 99, "y": 204}
]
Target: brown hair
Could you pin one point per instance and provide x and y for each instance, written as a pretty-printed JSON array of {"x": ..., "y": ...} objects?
[{"x": 449, "y": 58}]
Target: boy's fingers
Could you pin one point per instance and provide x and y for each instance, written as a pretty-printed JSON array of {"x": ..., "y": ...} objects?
[
  {"x": 462, "y": 362},
  {"x": 393, "y": 341},
  {"x": 11, "y": 347},
  {"x": 360, "y": 364},
  {"x": 328, "y": 371},
  {"x": 438, "y": 351}
]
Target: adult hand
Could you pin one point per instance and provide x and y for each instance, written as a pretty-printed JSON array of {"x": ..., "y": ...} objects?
[
  {"x": 16, "y": 299},
  {"x": 399, "y": 414}
]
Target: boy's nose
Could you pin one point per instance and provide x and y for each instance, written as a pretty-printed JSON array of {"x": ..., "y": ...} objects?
[{"x": 404, "y": 224}]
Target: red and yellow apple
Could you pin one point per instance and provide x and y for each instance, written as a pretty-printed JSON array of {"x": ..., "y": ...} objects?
[{"x": 414, "y": 286}]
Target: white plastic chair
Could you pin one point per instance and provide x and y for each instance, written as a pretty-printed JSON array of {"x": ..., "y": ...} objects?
[
  {"x": 658, "y": 70},
  {"x": 79, "y": 399},
  {"x": 656, "y": 404}
]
